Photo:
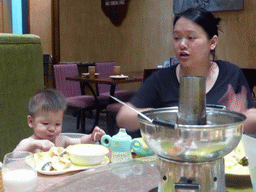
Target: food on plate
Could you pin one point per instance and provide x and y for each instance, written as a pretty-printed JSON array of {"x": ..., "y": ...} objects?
[
  {"x": 56, "y": 159},
  {"x": 56, "y": 151},
  {"x": 74, "y": 157},
  {"x": 59, "y": 163},
  {"x": 236, "y": 162}
]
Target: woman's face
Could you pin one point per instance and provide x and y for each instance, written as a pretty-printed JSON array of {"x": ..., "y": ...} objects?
[{"x": 191, "y": 44}]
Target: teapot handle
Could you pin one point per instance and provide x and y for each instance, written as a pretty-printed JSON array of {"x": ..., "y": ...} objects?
[
  {"x": 105, "y": 138},
  {"x": 136, "y": 148}
]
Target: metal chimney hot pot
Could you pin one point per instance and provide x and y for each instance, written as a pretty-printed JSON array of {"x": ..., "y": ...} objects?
[{"x": 191, "y": 154}]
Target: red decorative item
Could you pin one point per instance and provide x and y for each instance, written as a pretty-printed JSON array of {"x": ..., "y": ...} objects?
[
  {"x": 91, "y": 138},
  {"x": 115, "y": 10}
]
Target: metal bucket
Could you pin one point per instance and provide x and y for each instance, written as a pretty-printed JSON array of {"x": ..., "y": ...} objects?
[{"x": 193, "y": 143}]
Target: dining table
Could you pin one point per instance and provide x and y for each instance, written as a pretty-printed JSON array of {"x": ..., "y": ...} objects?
[
  {"x": 113, "y": 80},
  {"x": 87, "y": 81},
  {"x": 139, "y": 175}
]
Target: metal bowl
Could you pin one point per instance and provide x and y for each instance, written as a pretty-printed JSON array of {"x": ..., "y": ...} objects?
[{"x": 193, "y": 143}]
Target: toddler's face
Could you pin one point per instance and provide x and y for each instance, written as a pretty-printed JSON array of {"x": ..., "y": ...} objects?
[{"x": 46, "y": 124}]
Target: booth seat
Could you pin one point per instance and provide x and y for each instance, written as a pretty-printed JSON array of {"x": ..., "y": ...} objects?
[{"x": 21, "y": 74}]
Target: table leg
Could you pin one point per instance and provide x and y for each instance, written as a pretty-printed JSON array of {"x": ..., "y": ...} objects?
[
  {"x": 112, "y": 93},
  {"x": 97, "y": 106}
]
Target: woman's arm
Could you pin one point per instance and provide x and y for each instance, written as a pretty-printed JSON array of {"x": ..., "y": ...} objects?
[
  {"x": 250, "y": 123},
  {"x": 128, "y": 119},
  {"x": 238, "y": 102}
]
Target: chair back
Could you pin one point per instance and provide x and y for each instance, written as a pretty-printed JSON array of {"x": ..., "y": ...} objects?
[
  {"x": 21, "y": 75},
  {"x": 67, "y": 88},
  {"x": 148, "y": 72},
  {"x": 73, "y": 135},
  {"x": 250, "y": 77},
  {"x": 105, "y": 68}
]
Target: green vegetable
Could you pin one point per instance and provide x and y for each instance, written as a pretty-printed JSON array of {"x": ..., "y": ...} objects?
[{"x": 244, "y": 161}]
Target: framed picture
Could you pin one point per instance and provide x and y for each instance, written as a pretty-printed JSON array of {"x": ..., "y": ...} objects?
[
  {"x": 210, "y": 5},
  {"x": 115, "y": 10}
]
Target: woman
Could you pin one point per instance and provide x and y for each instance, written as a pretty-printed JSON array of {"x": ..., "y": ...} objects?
[{"x": 195, "y": 37}]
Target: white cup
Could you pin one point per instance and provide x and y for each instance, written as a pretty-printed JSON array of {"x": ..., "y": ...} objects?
[{"x": 19, "y": 172}]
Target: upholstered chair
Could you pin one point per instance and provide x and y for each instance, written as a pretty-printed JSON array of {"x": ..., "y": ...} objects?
[
  {"x": 21, "y": 74},
  {"x": 75, "y": 100}
]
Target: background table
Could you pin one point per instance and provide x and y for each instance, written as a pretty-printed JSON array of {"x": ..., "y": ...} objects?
[{"x": 103, "y": 79}]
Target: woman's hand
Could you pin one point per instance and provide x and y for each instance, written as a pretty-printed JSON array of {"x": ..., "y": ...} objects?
[{"x": 236, "y": 102}]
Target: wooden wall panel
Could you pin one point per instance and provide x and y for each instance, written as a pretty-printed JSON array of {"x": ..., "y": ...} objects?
[
  {"x": 40, "y": 22},
  {"x": 1, "y": 17},
  {"x": 144, "y": 39},
  {"x": 5, "y": 16},
  {"x": 237, "y": 42}
]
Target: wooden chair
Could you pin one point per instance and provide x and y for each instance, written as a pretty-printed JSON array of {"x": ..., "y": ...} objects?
[
  {"x": 21, "y": 75},
  {"x": 107, "y": 68},
  {"x": 112, "y": 109},
  {"x": 77, "y": 102},
  {"x": 250, "y": 75},
  {"x": 103, "y": 89}
]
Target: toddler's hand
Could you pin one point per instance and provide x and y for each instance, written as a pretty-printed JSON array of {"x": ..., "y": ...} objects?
[
  {"x": 44, "y": 145},
  {"x": 97, "y": 134}
]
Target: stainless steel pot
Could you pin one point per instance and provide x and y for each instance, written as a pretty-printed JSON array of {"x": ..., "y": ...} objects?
[{"x": 193, "y": 143}]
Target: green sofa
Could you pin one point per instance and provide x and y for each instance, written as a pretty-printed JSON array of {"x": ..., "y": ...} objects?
[{"x": 21, "y": 74}]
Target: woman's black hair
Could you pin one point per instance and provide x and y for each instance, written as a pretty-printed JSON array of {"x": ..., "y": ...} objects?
[{"x": 203, "y": 18}]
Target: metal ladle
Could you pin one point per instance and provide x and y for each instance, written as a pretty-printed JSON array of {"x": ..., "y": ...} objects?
[{"x": 153, "y": 121}]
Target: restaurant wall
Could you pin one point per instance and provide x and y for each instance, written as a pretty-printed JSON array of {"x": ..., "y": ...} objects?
[
  {"x": 144, "y": 38},
  {"x": 5, "y": 16},
  {"x": 41, "y": 22},
  {"x": 1, "y": 17}
]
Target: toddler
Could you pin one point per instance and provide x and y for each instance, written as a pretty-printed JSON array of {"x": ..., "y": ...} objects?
[{"x": 46, "y": 110}]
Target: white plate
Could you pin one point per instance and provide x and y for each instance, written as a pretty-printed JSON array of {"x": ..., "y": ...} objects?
[
  {"x": 233, "y": 170},
  {"x": 119, "y": 76},
  {"x": 75, "y": 168},
  {"x": 86, "y": 74}
]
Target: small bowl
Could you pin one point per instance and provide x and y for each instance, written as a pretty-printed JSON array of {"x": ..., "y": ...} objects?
[
  {"x": 144, "y": 150},
  {"x": 87, "y": 154}
]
